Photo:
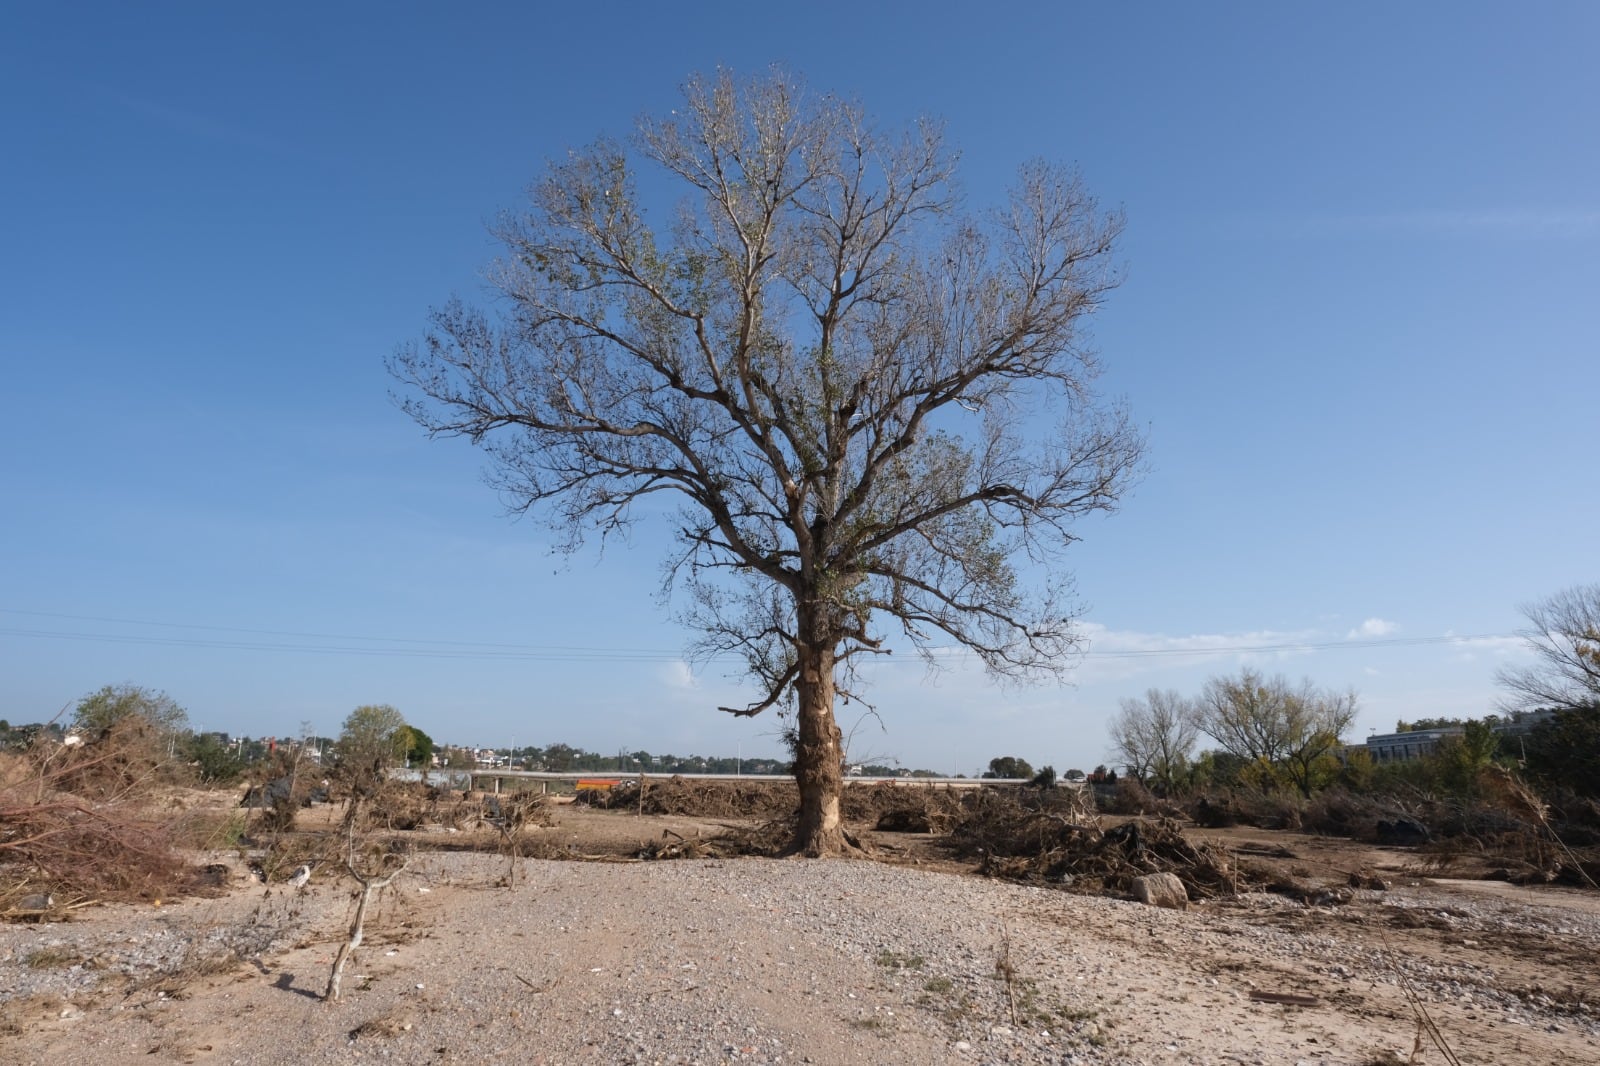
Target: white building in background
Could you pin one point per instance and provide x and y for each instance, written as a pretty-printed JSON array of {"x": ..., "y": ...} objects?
[{"x": 1402, "y": 747}]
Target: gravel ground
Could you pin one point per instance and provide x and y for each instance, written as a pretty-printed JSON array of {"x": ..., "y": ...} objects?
[{"x": 828, "y": 962}]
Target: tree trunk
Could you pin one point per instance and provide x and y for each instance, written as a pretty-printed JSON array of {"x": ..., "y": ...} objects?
[{"x": 818, "y": 768}]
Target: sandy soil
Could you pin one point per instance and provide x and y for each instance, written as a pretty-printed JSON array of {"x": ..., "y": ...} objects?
[{"x": 826, "y": 962}]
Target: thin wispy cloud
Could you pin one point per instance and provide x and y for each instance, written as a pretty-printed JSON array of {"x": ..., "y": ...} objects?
[
  {"x": 1524, "y": 223},
  {"x": 1497, "y": 647},
  {"x": 1117, "y": 654},
  {"x": 198, "y": 125}
]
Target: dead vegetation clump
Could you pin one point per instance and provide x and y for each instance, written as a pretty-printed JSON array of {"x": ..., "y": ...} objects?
[
  {"x": 279, "y": 788},
  {"x": 884, "y": 806},
  {"x": 404, "y": 805},
  {"x": 76, "y": 824},
  {"x": 1129, "y": 796},
  {"x": 1263, "y": 810},
  {"x": 768, "y": 839},
  {"x": 902, "y": 809},
  {"x": 1501, "y": 829},
  {"x": 516, "y": 811},
  {"x": 125, "y": 762},
  {"x": 1053, "y": 838},
  {"x": 694, "y": 798}
]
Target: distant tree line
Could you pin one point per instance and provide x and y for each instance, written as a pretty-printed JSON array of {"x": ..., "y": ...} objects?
[{"x": 1271, "y": 735}]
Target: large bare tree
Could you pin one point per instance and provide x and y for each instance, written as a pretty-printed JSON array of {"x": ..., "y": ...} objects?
[
  {"x": 1563, "y": 632},
  {"x": 868, "y": 403}
]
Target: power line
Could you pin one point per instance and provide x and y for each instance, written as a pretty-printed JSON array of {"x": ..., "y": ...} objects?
[
  {"x": 420, "y": 651},
  {"x": 1307, "y": 645},
  {"x": 267, "y": 632},
  {"x": 482, "y": 650}
]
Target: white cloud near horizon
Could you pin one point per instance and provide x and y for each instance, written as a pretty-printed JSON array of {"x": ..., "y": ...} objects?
[
  {"x": 1494, "y": 645},
  {"x": 1112, "y": 655},
  {"x": 679, "y": 676}
]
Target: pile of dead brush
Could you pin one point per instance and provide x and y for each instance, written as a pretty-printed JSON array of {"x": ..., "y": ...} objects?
[
  {"x": 893, "y": 808},
  {"x": 409, "y": 805},
  {"x": 404, "y": 805},
  {"x": 511, "y": 812},
  {"x": 698, "y": 798},
  {"x": 883, "y": 806},
  {"x": 1051, "y": 838},
  {"x": 77, "y": 824}
]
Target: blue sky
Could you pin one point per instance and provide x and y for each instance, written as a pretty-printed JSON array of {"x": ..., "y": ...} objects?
[{"x": 1359, "y": 324}]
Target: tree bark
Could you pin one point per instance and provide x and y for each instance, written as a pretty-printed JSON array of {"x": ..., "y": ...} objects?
[{"x": 818, "y": 768}]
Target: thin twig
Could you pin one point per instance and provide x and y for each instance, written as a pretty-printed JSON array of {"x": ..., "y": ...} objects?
[{"x": 1007, "y": 971}]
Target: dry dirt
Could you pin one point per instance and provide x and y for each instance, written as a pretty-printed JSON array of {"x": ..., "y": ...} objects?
[{"x": 754, "y": 960}]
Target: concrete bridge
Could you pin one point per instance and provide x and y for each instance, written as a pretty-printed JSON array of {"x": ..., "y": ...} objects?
[{"x": 494, "y": 780}]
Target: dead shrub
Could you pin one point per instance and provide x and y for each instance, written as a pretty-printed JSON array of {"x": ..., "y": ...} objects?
[
  {"x": 403, "y": 805},
  {"x": 1264, "y": 810},
  {"x": 279, "y": 787},
  {"x": 515, "y": 814},
  {"x": 1088, "y": 859},
  {"x": 103, "y": 843},
  {"x": 1337, "y": 812},
  {"x": 1129, "y": 796},
  {"x": 125, "y": 762}
]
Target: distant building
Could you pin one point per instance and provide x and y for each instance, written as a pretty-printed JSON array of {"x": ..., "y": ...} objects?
[
  {"x": 1524, "y": 722},
  {"x": 1418, "y": 743},
  {"x": 1403, "y": 747}
]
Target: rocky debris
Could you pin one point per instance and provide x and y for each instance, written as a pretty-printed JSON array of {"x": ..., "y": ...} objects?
[
  {"x": 1161, "y": 890},
  {"x": 1368, "y": 880}
]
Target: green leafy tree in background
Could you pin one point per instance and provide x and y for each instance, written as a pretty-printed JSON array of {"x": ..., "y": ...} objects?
[
  {"x": 375, "y": 736},
  {"x": 214, "y": 762},
  {"x": 1286, "y": 735},
  {"x": 559, "y": 758},
  {"x": 419, "y": 748},
  {"x": 1459, "y": 762},
  {"x": 1009, "y": 767},
  {"x": 99, "y": 711},
  {"x": 1565, "y": 751}
]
